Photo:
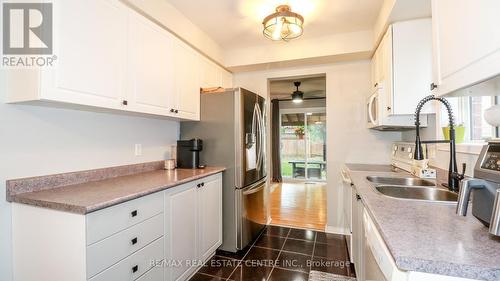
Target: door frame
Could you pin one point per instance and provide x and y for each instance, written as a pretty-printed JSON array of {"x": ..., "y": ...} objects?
[{"x": 303, "y": 110}]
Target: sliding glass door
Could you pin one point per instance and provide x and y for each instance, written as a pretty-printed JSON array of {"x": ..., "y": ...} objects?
[{"x": 303, "y": 144}]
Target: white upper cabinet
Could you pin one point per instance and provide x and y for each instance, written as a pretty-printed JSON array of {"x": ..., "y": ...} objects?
[
  {"x": 187, "y": 82},
  {"x": 466, "y": 41},
  {"x": 402, "y": 65},
  {"x": 111, "y": 57},
  {"x": 213, "y": 75},
  {"x": 90, "y": 40},
  {"x": 151, "y": 71},
  {"x": 411, "y": 64},
  {"x": 210, "y": 76}
]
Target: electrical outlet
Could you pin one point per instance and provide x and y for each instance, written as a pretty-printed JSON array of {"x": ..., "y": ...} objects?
[{"x": 138, "y": 149}]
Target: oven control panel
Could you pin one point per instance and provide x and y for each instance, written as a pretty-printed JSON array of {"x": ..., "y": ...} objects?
[{"x": 491, "y": 159}]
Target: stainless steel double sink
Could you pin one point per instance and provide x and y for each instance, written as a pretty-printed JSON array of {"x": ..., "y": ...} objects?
[{"x": 411, "y": 189}]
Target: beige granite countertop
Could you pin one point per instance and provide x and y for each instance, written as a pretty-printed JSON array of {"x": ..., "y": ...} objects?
[
  {"x": 428, "y": 237},
  {"x": 91, "y": 196}
]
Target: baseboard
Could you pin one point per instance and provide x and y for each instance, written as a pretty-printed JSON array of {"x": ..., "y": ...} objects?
[{"x": 335, "y": 230}]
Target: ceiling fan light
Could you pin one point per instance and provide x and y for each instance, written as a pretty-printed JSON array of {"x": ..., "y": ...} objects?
[{"x": 297, "y": 97}]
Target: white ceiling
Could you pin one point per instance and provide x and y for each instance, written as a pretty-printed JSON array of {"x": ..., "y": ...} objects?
[
  {"x": 311, "y": 86},
  {"x": 238, "y": 23}
]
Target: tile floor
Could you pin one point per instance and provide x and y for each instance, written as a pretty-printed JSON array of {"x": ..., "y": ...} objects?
[{"x": 281, "y": 253}]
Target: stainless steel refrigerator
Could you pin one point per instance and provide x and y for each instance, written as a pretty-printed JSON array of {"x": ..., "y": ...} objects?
[{"x": 233, "y": 131}]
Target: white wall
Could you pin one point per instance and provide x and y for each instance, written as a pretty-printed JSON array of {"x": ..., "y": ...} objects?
[
  {"x": 329, "y": 45},
  {"x": 348, "y": 140},
  {"x": 41, "y": 140}
]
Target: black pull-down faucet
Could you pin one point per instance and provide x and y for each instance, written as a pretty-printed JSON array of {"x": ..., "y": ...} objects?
[{"x": 453, "y": 176}]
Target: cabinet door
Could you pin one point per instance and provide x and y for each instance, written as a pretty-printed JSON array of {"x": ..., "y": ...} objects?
[
  {"x": 355, "y": 228},
  {"x": 385, "y": 69},
  {"x": 411, "y": 65},
  {"x": 90, "y": 43},
  {"x": 373, "y": 67},
  {"x": 209, "y": 76},
  {"x": 181, "y": 231},
  {"x": 210, "y": 217},
  {"x": 187, "y": 81},
  {"x": 151, "y": 76},
  {"x": 466, "y": 42}
]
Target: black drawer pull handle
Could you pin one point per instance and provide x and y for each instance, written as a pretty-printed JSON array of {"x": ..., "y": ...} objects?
[
  {"x": 133, "y": 213},
  {"x": 135, "y": 269},
  {"x": 134, "y": 241}
]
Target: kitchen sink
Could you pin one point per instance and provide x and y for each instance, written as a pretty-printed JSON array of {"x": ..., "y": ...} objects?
[
  {"x": 400, "y": 181},
  {"x": 418, "y": 193}
]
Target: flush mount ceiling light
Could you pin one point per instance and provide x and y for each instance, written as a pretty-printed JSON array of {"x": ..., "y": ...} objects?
[
  {"x": 283, "y": 24},
  {"x": 297, "y": 96}
]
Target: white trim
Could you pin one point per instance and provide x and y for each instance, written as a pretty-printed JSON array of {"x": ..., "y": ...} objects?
[
  {"x": 303, "y": 110},
  {"x": 335, "y": 230}
]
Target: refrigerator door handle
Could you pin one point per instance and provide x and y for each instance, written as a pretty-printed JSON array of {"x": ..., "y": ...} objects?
[
  {"x": 261, "y": 128},
  {"x": 254, "y": 189}
]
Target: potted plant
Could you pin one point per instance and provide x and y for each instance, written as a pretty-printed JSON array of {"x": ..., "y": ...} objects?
[
  {"x": 459, "y": 133},
  {"x": 299, "y": 132}
]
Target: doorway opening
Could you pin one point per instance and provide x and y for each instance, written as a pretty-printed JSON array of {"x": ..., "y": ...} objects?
[
  {"x": 303, "y": 144},
  {"x": 299, "y": 147}
]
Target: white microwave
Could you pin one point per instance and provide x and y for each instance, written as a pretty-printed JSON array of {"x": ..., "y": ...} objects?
[{"x": 378, "y": 118}]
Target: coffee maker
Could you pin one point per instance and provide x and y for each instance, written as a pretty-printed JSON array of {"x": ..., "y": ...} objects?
[{"x": 188, "y": 153}]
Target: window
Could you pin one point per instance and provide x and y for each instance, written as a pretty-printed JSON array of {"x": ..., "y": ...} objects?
[{"x": 469, "y": 112}]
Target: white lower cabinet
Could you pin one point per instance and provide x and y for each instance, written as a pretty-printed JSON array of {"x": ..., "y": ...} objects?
[
  {"x": 162, "y": 236},
  {"x": 210, "y": 217},
  {"x": 181, "y": 231},
  {"x": 372, "y": 259},
  {"x": 193, "y": 226},
  {"x": 357, "y": 234}
]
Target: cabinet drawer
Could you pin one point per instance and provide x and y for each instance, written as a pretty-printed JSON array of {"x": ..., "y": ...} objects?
[
  {"x": 107, "y": 252},
  {"x": 109, "y": 221},
  {"x": 154, "y": 274},
  {"x": 135, "y": 265}
]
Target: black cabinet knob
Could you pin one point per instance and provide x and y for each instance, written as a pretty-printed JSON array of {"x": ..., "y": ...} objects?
[
  {"x": 133, "y": 213},
  {"x": 433, "y": 86},
  {"x": 202, "y": 184},
  {"x": 135, "y": 268},
  {"x": 172, "y": 110},
  {"x": 176, "y": 111},
  {"x": 124, "y": 102},
  {"x": 134, "y": 241},
  {"x": 388, "y": 108},
  {"x": 358, "y": 197}
]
